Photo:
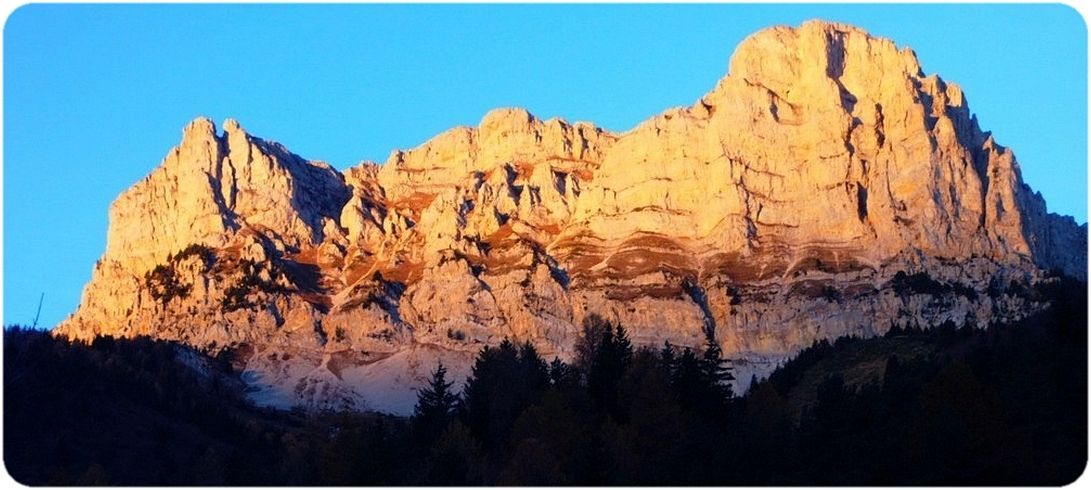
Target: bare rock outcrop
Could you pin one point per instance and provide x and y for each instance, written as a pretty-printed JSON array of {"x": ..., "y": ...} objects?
[{"x": 826, "y": 186}]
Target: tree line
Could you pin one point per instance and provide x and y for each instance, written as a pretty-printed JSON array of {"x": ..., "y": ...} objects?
[{"x": 948, "y": 405}]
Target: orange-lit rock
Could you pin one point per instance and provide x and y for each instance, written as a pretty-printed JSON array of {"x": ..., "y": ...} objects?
[{"x": 776, "y": 210}]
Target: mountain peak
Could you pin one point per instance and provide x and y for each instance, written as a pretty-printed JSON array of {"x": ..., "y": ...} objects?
[
  {"x": 816, "y": 51},
  {"x": 506, "y": 116},
  {"x": 199, "y": 135},
  {"x": 199, "y": 126},
  {"x": 231, "y": 125},
  {"x": 202, "y": 131}
]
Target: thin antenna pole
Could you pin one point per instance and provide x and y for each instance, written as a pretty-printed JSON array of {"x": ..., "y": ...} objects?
[{"x": 36, "y": 315}]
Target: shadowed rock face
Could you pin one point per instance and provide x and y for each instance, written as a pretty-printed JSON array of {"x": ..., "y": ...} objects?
[{"x": 778, "y": 209}]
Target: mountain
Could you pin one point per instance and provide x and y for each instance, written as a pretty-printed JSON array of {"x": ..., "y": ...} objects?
[{"x": 825, "y": 187}]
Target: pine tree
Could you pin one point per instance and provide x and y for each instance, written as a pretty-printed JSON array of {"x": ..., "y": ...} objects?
[
  {"x": 436, "y": 405},
  {"x": 623, "y": 346},
  {"x": 505, "y": 380},
  {"x": 667, "y": 357},
  {"x": 533, "y": 369},
  {"x": 687, "y": 379},
  {"x": 613, "y": 355},
  {"x": 715, "y": 370},
  {"x": 594, "y": 330}
]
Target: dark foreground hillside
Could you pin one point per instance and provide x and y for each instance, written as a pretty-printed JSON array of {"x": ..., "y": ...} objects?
[{"x": 1006, "y": 405}]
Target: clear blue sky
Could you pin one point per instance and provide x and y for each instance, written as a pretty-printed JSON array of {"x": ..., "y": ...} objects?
[{"x": 94, "y": 96}]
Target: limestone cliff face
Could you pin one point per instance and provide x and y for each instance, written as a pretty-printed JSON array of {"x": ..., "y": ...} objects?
[{"x": 824, "y": 187}]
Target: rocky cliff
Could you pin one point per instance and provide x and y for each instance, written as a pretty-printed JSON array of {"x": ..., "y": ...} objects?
[{"x": 826, "y": 186}]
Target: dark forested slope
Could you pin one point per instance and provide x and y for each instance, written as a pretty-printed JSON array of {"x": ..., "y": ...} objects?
[{"x": 1003, "y": 405}]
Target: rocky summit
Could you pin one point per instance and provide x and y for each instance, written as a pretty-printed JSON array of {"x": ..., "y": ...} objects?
[{"x": 825, "y": 187}]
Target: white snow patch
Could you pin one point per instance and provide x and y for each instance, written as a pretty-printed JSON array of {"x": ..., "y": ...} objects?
[{"x": 350, "y": 381}]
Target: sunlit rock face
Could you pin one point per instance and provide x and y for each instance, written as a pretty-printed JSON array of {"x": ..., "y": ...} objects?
[{"x": 824, "y": 187}]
